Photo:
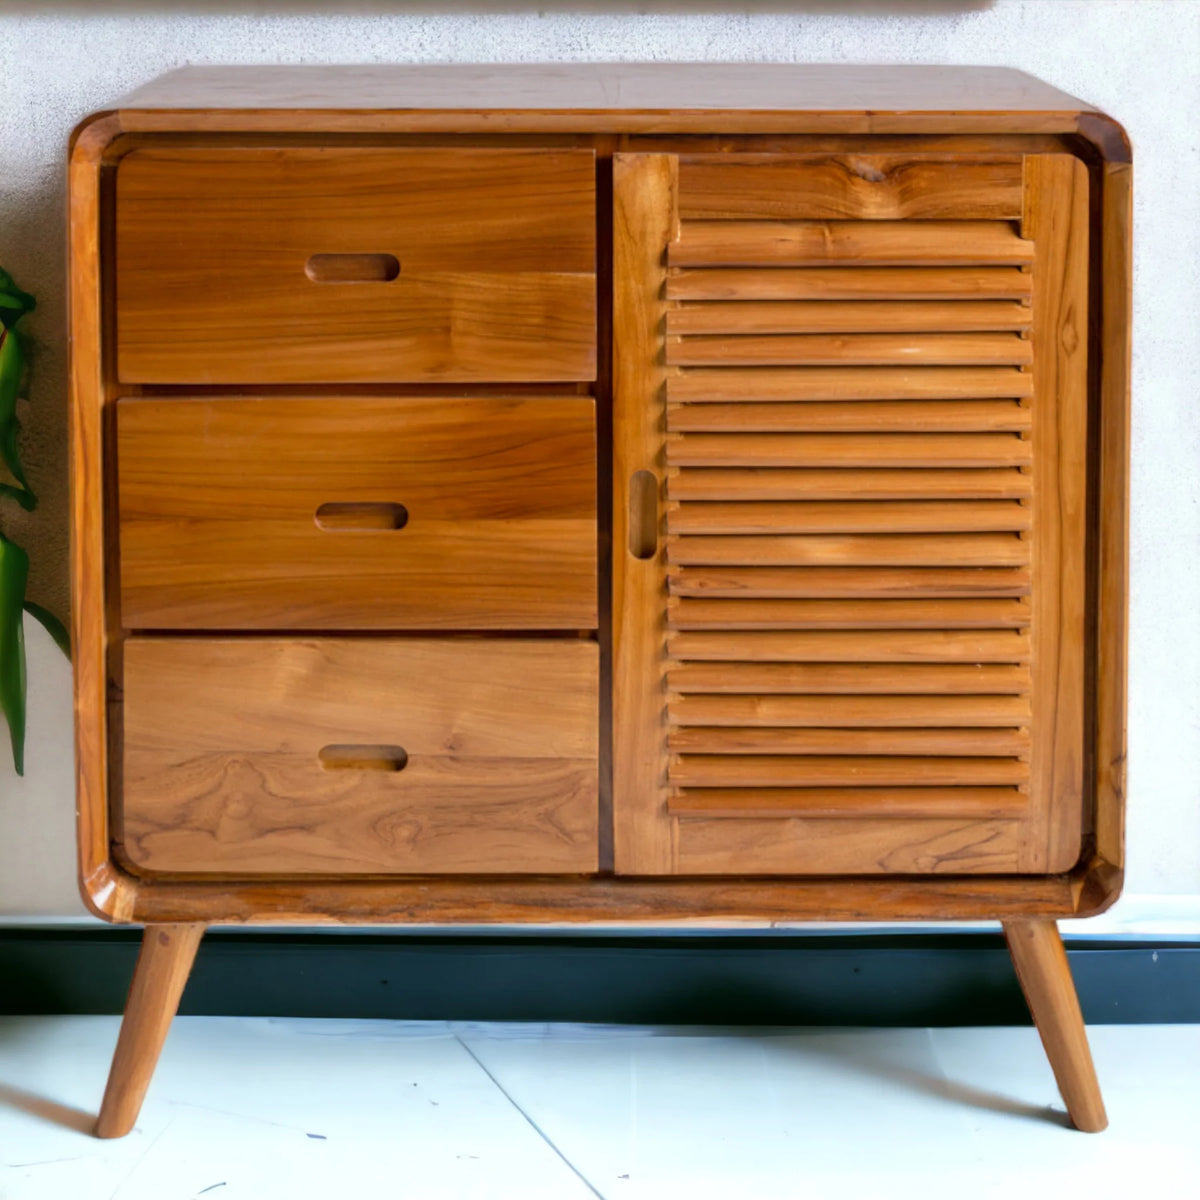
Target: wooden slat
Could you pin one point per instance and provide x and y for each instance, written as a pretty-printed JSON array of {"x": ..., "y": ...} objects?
[
  {"x": 849, "y": 283},
  {"x": 864, "y": 349},
  {"x": 765, "y": 483},
  {"x": 853, "y": 516},
  {"x": 865, "y": 243},
  {"x": 848, "y": 711},
  {"x": 688, "y": 613},
  {"x": 847, "y": 679},
  {"x": 725, "y": 383},
  {"x": 869, "y": 416},
  {"x": 861, "y": 803},
  {"x": 953, "y": 742},
  {"x": 847, "y": 316},
  {"x": 865, "y": 187},
  {"x": 848, "y": 450},
  {"x": 855, "y": 550},
  {"x": 872, "y": 646},
  {"x": 738, "y": 770},
  {"x": 851, "y": 582}
]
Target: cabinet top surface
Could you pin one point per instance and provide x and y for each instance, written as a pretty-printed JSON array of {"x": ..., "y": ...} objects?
[{"x": 606, "y": 87}]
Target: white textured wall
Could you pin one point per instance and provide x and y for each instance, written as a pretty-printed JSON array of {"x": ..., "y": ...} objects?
[{"x": 1134, "y": 58}]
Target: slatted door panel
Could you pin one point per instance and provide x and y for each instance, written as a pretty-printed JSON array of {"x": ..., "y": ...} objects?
[{"x": 849, "y": 532}]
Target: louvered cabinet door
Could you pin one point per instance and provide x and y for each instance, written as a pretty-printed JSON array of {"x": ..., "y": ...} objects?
[{"x": 849, "y": 518}]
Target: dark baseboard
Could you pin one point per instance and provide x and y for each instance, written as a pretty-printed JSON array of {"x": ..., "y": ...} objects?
[{"x": 694, "y": 978}]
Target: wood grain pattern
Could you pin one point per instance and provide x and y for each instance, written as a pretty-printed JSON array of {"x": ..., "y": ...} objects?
[
  {"x": 218, "y": 504},
  {"x": 779, "y": 711},
  {"x": 1112, "y": 574},
  {"x": 743, "y": 187},
  {"x": 658, "y": 98},
  {"x": 865, "y": 451},
  {"x": 867, "y": 349},
  {"x": 100, "y": 886},
  {"x": 865, "y": 243},
  {"x": 861, "y": 383},
  {"x": 645, "y": 190},
  {"x": 874, "y": 284},
  {"x": 1057, "y": 205},
  {"x": 849, "y": 582},
  {"x": 871, "y": 483},
  {"x": 496, "y": 252},
  {"x": 924, "y": 516},
  {"x": 849, "y": 804},
  {"x": 850, "y": 316},
  {"x": 1045, "y": 975},
  {"x": 880, "y": 846},
  {"x": 222, "y": 768},
  {"x": 784, "y": 678},
  {"x": 853, "y": 550},
  {"x": 871, "y": 645},
  {"x": 162, "y": 970},
  {"x": 763, "y": 572},
  {"x": 354, "y": 97},
  {"x": 949, "y": 743},
  {"x": 703, "y": 613}
]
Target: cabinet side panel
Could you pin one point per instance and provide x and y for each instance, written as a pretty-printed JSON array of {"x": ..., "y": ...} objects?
[
  {"x": 89, "y": 639},
  {"x": 1113, "y": 614},
  {"x": 644, "y": 220}
]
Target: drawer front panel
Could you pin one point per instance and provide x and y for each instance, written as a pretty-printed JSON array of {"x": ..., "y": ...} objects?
[
  {"x": 358, "y": 264},
  {"x": 359, "y": 755},
  {"x": 357, "y": 513}
]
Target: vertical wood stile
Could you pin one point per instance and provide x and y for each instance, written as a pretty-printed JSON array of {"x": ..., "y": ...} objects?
[
  {"x": 1056, "y": 220},
  {"x": 644, "y": 222}
]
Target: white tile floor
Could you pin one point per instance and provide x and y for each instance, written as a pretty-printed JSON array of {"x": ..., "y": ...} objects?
[{"x": 260, "y": 1109}]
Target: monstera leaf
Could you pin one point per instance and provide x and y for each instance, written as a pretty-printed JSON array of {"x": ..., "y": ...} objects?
[{"x": 14, "y": 562}]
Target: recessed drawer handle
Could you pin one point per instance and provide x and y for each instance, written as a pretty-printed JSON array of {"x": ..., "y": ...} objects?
[
  {"x": 352, "y": 268},
  {"x": 643, "y": 514},
  {"x": 354, "y": 516},
  {"x": 363, "y": 758}
]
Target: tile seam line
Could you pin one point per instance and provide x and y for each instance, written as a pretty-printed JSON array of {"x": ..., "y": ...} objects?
[{"x": 587, "y": 1183}]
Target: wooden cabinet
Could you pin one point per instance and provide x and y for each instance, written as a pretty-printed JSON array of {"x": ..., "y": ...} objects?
[{"x": 611, "y": 494}]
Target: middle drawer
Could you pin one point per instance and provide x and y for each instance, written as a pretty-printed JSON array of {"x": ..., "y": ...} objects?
[{"x": 357, "y": 513}]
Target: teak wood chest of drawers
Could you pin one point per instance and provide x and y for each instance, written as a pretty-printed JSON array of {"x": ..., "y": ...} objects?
[{"x": 607, "y": 494}]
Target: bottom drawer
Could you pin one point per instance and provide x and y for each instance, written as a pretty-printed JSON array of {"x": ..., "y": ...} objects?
[{"x": 333, "y": 756}]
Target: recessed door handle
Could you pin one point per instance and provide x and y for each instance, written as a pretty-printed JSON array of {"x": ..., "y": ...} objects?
[{"x": 643, "y": 514}]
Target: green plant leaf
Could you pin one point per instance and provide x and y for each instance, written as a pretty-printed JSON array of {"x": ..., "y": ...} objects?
[
  {"x": 12, "y": 460},
  {"x": 52, "y": 625},
  {"x": 14, "y": 574},
  {"x": 14, "y": 303},
  {"x": 12, "y": 368},
  {"x": 23, "y": 496}
]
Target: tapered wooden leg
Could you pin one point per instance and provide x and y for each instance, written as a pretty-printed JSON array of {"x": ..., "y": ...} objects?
[
  {"x": 1041, "y": 963},
  {"x": 163, "y": 965}
]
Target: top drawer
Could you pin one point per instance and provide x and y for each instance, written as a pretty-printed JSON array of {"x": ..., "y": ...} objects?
[{"x": 355, "y": 265}]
